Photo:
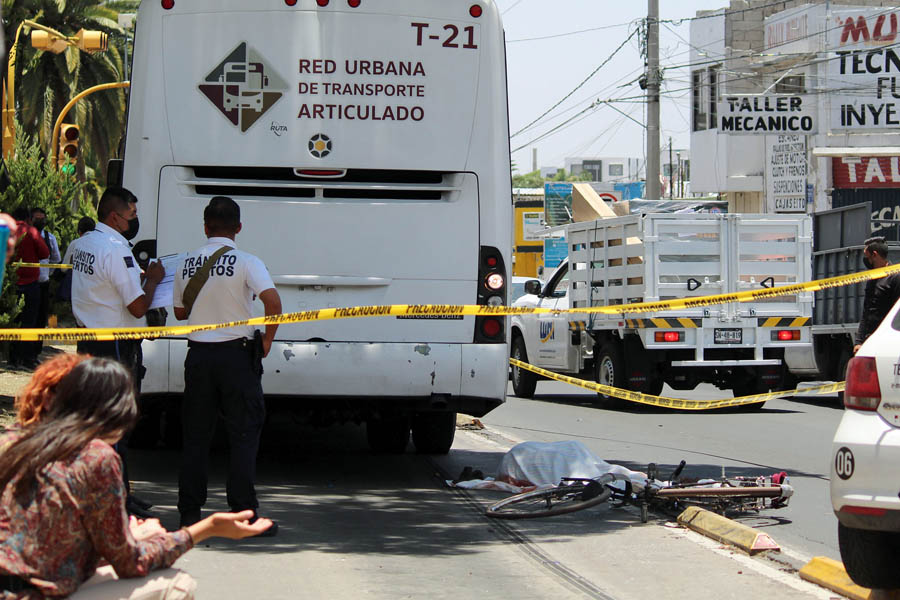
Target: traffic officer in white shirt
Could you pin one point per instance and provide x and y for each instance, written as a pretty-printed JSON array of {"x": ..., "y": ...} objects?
[
  {"x": 39, "y": 220},
  {"x": 107, "y": 292},
  {"x": 223, "y": 369}
]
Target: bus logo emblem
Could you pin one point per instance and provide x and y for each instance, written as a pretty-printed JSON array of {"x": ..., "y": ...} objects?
[
  {"x": 243, "y": 87},
  {"x": 320, "y": 145}
]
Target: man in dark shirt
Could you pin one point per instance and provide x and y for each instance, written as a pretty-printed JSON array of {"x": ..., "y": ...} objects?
[
  {"x": 30, "y": 248},
  {"x": 881, "y": 294}
]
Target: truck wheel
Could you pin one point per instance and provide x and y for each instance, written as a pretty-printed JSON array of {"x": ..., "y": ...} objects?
[
  {"x": 749, "y": 388},
  {"x": 653, "y": 386},
  {"x": 433, "y": 432},
  {"x": 524, "y": 382},
  {"x": 388, "y": 435},
  {"x": 870, "y": 556},
  {"x": 609, "y": 369}
]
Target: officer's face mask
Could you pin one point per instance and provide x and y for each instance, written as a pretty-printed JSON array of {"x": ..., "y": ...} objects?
[
  {"x": 867, "y": 262},
  {"x": 39, "y": 224},
  {"x": 133, "y": 226}
]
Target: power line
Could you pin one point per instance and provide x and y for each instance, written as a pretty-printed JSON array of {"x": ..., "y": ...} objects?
[
  {"x": 568, "y": 33},
  {"x": 577, "y": 87}
]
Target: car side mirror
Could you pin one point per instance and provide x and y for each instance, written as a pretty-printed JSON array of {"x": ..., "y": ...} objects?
[{"x": 533, "y": 286}]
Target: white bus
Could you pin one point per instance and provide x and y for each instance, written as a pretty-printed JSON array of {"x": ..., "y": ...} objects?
[{"x": 369, "y": 152}]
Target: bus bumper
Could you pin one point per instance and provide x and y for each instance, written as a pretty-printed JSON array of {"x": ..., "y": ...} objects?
[{"x": 469, "y": 378}]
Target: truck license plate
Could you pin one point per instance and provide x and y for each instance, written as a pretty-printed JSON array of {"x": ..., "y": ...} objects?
[{"x": 727, "y": 336}]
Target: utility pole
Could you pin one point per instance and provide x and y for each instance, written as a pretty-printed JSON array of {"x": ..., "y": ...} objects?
[
  {"x": 652, "y": 189},
  {"x": 671, "y": 172}
]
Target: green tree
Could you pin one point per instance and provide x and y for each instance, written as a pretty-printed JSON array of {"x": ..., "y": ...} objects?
[
  {"x": 45, "y": 82},
  {"x": 32, "y": 182},
  {"x": 529, "y": 180}
]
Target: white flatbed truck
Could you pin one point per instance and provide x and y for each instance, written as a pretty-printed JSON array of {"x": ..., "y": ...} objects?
[{"x": 655, "y": 257}]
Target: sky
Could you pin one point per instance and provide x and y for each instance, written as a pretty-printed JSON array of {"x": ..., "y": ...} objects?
[{"x": 541, "y": 72}]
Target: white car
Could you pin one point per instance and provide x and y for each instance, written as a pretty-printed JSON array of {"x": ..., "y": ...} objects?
[{"x": 865, "y": 465}]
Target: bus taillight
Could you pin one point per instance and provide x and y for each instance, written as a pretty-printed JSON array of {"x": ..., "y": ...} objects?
[
  {"x": 491, "y": 292},
  {"x": 475, "y": 10}
]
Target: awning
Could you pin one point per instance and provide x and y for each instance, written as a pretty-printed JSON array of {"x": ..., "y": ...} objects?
[{"x": 839, "y": 151}]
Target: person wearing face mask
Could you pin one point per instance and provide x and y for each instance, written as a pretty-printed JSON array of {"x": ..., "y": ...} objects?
[
  {"x": 107, "y": 292},
  {"x": 39, "y": 221},
  {"x": 881, "y": 294}
]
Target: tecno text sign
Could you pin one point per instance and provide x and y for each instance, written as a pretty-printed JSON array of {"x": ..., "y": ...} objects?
[
  {"x": 863, "y": 71},
  {"x": 767, "y": 114}
]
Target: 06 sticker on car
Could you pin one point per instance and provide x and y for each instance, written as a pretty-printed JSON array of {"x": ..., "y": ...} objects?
[{"x": 844, "y": 463}]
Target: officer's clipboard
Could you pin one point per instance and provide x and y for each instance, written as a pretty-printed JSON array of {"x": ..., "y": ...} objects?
[{"x": 165, "y": 290}]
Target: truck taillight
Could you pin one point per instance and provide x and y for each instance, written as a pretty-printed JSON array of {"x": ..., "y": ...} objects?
[
  {"x": 168, "y": 4},
  {"x": 785, "y": 335},
  {"x": 668, "y": 336},
  {"x": 290, "y": 2},
  {"x": 353, "y": 3},
  {"x": 491, "y": 292},
  {"x": 862, "y": 390},
  {"x": 322, "y": 2},
  {"x": 475, "y": 10}
]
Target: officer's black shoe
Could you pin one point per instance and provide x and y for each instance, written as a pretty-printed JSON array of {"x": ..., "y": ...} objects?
[
  {"x": 189, "y": 517},
  {"x": 133, "y": 509},
  {"x": 140, "y": 501}
]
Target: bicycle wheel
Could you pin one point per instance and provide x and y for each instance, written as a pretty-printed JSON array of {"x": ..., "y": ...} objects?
[{"x": 566, "y": 498}]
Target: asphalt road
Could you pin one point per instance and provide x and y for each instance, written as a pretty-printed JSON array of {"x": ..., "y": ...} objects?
[
  {"x": 792, "y": 435},
  {"x": 355, "y": 525}
]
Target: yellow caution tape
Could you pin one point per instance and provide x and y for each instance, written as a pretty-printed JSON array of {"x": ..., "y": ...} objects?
[
  {"x": 435, "y": 310},
  {"x": 42, "y": 266},
  {"x": 677, "y": 403}
]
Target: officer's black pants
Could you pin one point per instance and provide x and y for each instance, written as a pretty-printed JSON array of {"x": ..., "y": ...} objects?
[
  {"x": 26, "y": 352},
  {"x": 127, "y": 352},
  {"x": 220, "y": 378}
]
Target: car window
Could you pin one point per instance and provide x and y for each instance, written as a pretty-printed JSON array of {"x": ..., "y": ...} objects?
[
  {"x": 559, "y": 285},
  {"x": 517, "y": 291}
]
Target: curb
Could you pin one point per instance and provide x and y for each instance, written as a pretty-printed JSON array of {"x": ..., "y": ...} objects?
[
  {"x": 727, "y": 531},
  {"x": 830, "y": 573}
]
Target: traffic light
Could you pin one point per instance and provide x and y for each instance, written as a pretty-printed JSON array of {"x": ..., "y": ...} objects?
[
  {"x": 68, "y": 145},
  {"x": 88, "y": 41},
  {"x": 43, "y": 40},
  {"x": 91, "y": 41}
]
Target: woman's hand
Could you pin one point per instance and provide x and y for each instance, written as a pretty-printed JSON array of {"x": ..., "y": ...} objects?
[
  {"x": 233, "y": 526},
  {"x": 143, "y": 530}
]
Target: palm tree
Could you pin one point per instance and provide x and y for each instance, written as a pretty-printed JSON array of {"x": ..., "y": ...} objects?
[{"x": 45, "y": 82}]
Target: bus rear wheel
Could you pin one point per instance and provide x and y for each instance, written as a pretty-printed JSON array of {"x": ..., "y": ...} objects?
[
  {"x": 433, "y": 432},
  {"x": 388, "y": 435}
]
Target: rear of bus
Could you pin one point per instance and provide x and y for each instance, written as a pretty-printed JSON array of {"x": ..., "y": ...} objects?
[{"x": 366, "y": 143}]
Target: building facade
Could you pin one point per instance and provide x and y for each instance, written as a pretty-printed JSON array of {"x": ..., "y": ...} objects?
[{"x": 793, "y": 104}]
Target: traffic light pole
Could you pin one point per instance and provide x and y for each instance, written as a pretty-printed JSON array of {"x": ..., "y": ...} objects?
[{"x": 62, "y": 115}]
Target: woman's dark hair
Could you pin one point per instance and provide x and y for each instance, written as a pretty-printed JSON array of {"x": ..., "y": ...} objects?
[{"x": 95, "y": 400}]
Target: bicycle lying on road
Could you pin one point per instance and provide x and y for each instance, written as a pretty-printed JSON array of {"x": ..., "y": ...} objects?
[{"x": 734, "y": 494}]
